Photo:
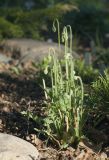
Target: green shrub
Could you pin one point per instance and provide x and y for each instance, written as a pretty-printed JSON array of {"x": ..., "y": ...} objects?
[
  {"x": 11, "y": 14},
  {"x": 27, "y": 22},
  {"x": 89, "y": 20},
  {"x": 93, "y": 3},
  {"x": 35, "y": 23},
  {"x": 9, "y": 30},
  {"x": 86, "y": 20}
]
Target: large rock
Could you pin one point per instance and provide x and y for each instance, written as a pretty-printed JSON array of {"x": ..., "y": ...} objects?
[
  {"x": 14, "y": 148},
  {"x": 34, "y": 50}
]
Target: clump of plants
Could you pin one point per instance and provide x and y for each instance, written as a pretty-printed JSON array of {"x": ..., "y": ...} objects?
[
  {"x": 100, "y": 94},
  {"x": 98, "y": 99},
  {"x": 65, "y": 112}
]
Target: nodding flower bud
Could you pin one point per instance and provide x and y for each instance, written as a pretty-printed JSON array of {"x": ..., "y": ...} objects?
[
  {"x": 64, "y": 34},
  {"x": 46, "y": 70},
  {"x": 73, "y": 72},
  {"x": 76, "y": 77},
  {"x": 67, "y": 56}
]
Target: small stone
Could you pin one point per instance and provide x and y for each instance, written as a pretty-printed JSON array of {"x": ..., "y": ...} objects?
[
  {"x": 103, "y": 155},
  {"x": 14, "y": 148}
]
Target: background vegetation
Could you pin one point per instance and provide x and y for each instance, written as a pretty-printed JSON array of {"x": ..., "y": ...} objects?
[{"x": 33, "y": 18}]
